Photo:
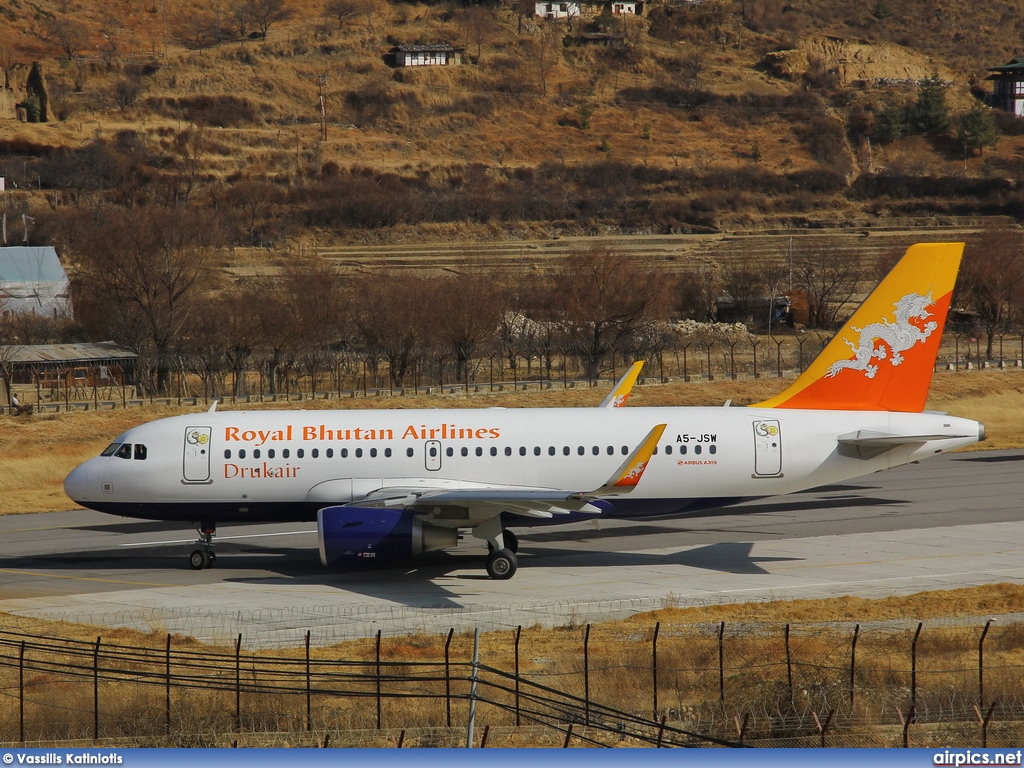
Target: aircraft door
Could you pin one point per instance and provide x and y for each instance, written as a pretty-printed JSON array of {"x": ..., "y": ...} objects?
[
  {"x": 197, "y": 455},
  {"x": 767, "y": 448},
  {"x": 432, "y": 455}
]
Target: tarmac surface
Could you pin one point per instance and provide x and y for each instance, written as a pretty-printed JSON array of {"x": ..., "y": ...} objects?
[{"x": 953, "y": 521}]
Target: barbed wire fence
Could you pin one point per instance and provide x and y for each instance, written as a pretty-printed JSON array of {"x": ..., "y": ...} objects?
[{"x": 953, "y": 683}]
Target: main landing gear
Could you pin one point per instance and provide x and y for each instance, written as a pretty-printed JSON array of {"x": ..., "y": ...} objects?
[
  {"x": 204, "y": 556},
  {"x": 501, "y": 560}
]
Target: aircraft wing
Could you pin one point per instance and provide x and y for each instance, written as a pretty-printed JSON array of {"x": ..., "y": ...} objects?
[{"x": 477, "y": 503}]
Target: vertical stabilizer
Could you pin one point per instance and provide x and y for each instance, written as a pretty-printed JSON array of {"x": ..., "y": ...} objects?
[{"x": 883, "y": 357}]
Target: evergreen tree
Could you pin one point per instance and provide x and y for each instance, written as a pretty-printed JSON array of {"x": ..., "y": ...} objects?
[
  {"x": 930, "y": 114},
  {"x": 977, "y": 128}
]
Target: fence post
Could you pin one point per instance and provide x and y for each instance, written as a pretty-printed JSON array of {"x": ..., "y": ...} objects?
[
  {"x": 985, "y": 720},
  {"x": 913, "y": 668},
  {"x": 238, "y": 683},
  {"x": 378, "y": 682},
  {"x": 981, "y": 665},
  {"x": 448, "y": 676},
  {"x": 853, "y": 661},
  {"x": 654, "y": 667},
  {"x": 586, "y": 676},
  {"x": 789, "y": 667},
  {"x": 21, "y": 693},
  {"x": 568, "y": 735},
  {"x": 309, "y": 688},
  {"x": 96, "y": 691},
  {"x": 823, "y": 728},
  {"x": 167, "y": 685},
  {"x": 721, "y": 662},
  {"x": 519, "y": 632},
  {"x": 911, "y": 715},
  {"x": 472, "y": 689}
]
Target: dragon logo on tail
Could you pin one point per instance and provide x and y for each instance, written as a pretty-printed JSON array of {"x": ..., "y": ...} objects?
[{"x": 886, "y": 339}]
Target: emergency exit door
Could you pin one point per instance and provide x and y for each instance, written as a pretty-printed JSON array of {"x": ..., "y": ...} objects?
[
  {"x": 767, "y": 448},
  {"x": 197, "y": 455}
]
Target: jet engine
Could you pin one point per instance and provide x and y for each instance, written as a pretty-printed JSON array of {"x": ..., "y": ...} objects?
[{"x": 362, "y": 536}]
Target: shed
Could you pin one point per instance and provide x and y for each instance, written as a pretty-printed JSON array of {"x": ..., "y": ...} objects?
[
  {"x": 33, "y": 280},
  {"x": 65, "y": 371},
  {"x": 433, "y": 54}
]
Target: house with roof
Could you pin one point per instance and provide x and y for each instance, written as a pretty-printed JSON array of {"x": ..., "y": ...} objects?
[
  {"x": 1008, "y": 86},
  {"x": 33, "y": 280},
  {"x": 427, "y": 55},
  {"x": 65, "y": 372}
]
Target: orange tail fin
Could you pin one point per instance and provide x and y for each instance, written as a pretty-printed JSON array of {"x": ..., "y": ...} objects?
[{"x": 883, "y": 358}]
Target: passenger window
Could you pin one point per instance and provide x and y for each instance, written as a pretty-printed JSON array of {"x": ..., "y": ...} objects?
[
  {"x": 536, "y": 450},
  {"x": 682, "y": 450},
  {"x": 255, "y": 453},
  {"x": 285, "y": 453},
  {"x": 565, "y": 450},
  {"x": 479, "y": 451},
  {"x": 595, "y": 450},
  {"x": 494, "y": 451},
  {"x": 359, "y": 453},
  {"x": 300, "y": 452},
  {"x": 625, "y": 450},
  {"x": 522, "y": 450},
  {"x": 551, "y": 450},
  {"x": 409, "y": 452},
  {"x": 140, "y": 452},
  {"x": 508, "y": 450},
  {"x": 241, "y": 453},
  {"x": 387, "y": 453},
  {"x": 125, "y": 451},
  {"x": 581, "y": 450},
  {"x": 449, "y": 452},
  {"x": 611, "y": 451},
  {"x": 343, "y": 453},
  {"x": 712, "y": 449},
  {"x": 373, "y": 453},
  {"x": 697, "y": 449},
  {"x": 329, "y": 453},
  {"x": 465, "y": 451},
  {"x": 271, "y": 453},
  {"x": 668, "y": 450},
  {"x": 227, "y": 454},
  {"x": 315, "y": 453}
]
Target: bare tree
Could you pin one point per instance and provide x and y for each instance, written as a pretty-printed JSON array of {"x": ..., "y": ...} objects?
[
  {"x": 392, "y": 313},
  {"x": 479, "y": 25},
  {"x": 343, "y": 10},
  {"x": 468, "y": 309},
  {"x": 992, "y": 280},
  {"x": 605, "y": 300},
  {"x": 831, "y": 278},
  {"x": 138, "y": 274}
]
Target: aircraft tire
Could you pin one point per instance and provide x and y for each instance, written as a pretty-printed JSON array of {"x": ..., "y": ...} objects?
[
  {"x": 511, "y": 542},
  {"x": 199, "y": 559},
  {"x": 502, "y": 564}
]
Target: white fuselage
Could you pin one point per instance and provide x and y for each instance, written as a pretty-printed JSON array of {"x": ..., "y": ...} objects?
[{"x": 233, "y": 466}]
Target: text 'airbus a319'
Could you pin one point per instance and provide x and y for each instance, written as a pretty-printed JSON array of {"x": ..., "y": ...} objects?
[{"x": 385, "y": 485}]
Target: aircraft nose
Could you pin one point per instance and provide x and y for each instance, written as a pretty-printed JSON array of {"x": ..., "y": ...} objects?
[{"x": 78, "y": 485}]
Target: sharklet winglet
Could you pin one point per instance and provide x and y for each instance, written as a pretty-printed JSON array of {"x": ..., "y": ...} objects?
[
  {"x": 620, "y": 392},
  {"x": 628, "y": 475}
]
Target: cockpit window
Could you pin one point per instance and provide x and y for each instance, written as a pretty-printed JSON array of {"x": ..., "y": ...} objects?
[
  {"x": 111, "y": 449},
  {"x": 124, "y": 452},
  {"x": 140, "y": 452}
]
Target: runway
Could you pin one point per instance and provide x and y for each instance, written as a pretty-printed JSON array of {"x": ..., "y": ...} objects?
[{"x": 954, "y": 521}]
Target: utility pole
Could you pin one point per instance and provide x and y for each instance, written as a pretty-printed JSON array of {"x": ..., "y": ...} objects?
[{"x": 322, "y": 79}]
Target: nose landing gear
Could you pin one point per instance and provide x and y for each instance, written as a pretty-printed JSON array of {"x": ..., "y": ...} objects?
[{"x": 204, "y": 556}]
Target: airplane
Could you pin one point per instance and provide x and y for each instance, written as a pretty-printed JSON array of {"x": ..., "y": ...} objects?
[{"x": 386, "y": 485}]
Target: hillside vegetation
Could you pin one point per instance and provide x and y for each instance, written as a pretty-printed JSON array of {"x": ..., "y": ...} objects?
[{"x": 711, "y": 115}]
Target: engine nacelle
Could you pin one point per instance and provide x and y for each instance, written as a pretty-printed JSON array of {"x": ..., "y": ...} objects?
[{"x": 361, "y": 536}]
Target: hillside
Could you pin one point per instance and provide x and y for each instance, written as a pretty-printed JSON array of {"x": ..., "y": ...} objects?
[{"x": 708, "y": 117}]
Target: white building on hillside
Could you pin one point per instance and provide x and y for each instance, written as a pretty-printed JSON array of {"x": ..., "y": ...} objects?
[{"x": 33, "y": 280}]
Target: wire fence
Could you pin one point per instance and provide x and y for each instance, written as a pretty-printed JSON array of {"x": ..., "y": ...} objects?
[{"x": 637, "y": 682}]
